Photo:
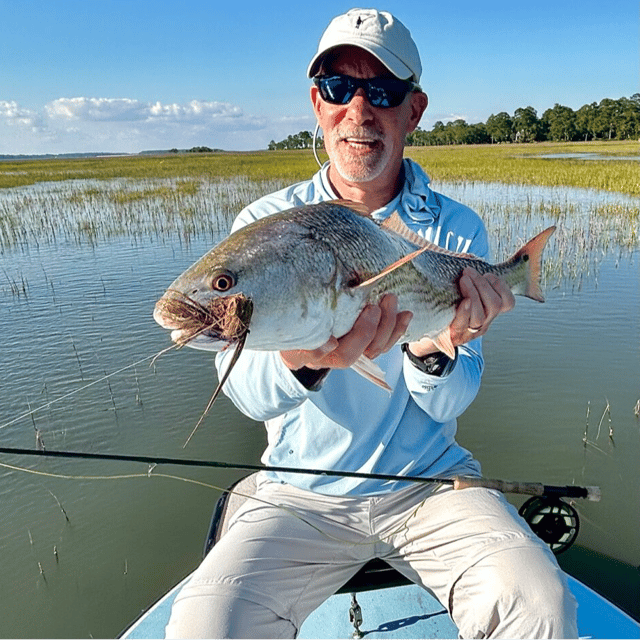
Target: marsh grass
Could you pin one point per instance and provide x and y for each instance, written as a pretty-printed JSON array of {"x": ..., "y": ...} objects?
[
  {"x": 87, "y": 201},
  {"x": 508, "y": 163},
  {"x": 87, "y": 211},
  {"x": 257, "y": 166},
  {"x": 524, "y": 164}
]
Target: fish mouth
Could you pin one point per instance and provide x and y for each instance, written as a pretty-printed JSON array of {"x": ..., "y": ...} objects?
[{"x": 213, "y": 326}]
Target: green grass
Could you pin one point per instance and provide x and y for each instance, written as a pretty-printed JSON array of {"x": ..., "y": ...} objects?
[
  {"x": 259, "y": 165},
  {"x": 191, "y": 195},
  {"x": 522, "y": 164},
  {"x": 508, "y": 163}
]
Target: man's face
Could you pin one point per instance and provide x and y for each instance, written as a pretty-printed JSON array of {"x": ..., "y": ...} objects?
[{"x": 365, "y": 143}]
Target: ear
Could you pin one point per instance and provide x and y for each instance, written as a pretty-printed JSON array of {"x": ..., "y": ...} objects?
[
  {"x": 316, "y": 101},
  {"x": 419, "y": 103}
]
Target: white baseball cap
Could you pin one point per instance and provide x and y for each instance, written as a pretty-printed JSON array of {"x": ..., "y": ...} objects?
[{"x": 377, "y": 32}]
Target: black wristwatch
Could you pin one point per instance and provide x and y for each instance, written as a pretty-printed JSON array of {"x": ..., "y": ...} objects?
[
  {"x": 310, "y": 379},
  {"x": 435, "y": 364}
]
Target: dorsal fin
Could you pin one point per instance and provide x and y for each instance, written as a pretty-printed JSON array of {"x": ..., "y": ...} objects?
[{"x": 395, "y": 224}]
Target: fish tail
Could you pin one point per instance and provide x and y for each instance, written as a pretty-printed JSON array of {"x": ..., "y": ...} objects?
[{"x": 531, "y": 253}]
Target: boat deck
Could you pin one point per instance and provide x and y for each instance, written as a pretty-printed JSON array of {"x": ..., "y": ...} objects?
[{"x": 405, "y": 612}]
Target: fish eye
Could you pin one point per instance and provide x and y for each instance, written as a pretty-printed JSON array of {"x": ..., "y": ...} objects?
[{"x": 223, "y": 281}]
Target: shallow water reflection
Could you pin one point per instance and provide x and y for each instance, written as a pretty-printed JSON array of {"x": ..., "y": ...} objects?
[{"x": 71, "y": 313}]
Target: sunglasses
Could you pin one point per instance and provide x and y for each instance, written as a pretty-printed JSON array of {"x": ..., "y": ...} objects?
[{"x": 381, "y": 92}]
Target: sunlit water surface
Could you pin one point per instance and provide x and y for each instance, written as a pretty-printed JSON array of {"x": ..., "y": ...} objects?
[{"x": 84, "y": 552}]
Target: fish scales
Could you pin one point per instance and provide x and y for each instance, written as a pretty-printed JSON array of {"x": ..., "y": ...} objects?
[{"x": 305, "y": 274}]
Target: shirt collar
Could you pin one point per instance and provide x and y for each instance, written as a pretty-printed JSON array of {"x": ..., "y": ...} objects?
[{"x": 416, "y": 200}]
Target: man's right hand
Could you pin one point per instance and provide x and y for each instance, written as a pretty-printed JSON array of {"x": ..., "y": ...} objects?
[{"x": 375, "y": 331}]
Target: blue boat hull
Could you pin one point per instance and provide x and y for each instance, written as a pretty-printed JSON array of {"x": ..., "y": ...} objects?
[{"x": 406, "y": 612}]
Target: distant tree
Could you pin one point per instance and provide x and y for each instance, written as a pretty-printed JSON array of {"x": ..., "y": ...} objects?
[
  {"x": 629, "y": 117},
  {"x": 526, "y": 125},
  {"x": 586, "y": 121},
  {"x": 418, "y": 138},
  {"x": 478, "y": 134},
  {"x": 559, "y": 123},
  {"x": 500, "y": 127},
  {"x": 301, "y": 140},
  {"x": 607, "y": 118},
  {"x": 439, "y": 133}
]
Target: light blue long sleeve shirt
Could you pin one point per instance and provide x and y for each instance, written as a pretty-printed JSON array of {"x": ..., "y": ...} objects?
[{"x": 350, "y": 424}]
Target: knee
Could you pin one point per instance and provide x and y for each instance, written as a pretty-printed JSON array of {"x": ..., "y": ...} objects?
[
  {"x": 520, "y": 593},
  {"x": 199, "y": 615}
]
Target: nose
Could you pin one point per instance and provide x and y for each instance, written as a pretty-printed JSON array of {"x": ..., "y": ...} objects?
[{"x": 359, "y": 110}]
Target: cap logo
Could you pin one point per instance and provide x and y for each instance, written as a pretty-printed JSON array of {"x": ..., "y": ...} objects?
[{"x": 360, "y": 21}]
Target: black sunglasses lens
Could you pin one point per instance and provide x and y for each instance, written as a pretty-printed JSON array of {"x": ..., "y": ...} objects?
[
  {"x": 381, "y": 92},
  {"x": 336, "y": 89},
  {"x": 386, "y": 92}
]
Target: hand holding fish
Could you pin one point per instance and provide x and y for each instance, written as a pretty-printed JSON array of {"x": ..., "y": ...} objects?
[
  {"x": 376, "y": 330},
  {"x": 484, "y": 298}
]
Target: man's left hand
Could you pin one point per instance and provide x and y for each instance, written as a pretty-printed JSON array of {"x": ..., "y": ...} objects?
[{"x": 484, "y": 298}]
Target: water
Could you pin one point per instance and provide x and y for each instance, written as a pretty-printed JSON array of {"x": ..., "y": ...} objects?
[
  {"x": 72, "y": 311},
  {"x": 585, "y": 156}
]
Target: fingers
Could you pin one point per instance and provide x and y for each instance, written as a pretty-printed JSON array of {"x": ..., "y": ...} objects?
[
  {"x": 485, "y": 297},
  {"x": 391, "y": 325},
  {"x": 298, "y": 358},
  {"x": 375, "y": 331}
]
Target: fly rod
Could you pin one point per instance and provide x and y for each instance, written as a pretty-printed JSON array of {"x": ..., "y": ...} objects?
[{"x": 457, "y": 482}]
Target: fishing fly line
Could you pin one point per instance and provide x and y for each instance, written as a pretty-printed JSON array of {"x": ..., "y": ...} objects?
[
  {"x": 86, "y": 386},
  {"x": 150, "y": 474}
]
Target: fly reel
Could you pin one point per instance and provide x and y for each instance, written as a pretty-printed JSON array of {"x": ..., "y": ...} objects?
[{"x": 553, "y": 520}]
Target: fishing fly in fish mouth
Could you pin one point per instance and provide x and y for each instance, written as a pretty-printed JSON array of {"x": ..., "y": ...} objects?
[{"x": 224, "y": 320}]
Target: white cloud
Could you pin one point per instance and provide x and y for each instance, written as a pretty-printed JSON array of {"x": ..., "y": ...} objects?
[
  {"x": 15, "y": 115},
  {"x": 129, "y": 125},
  {"x": 96, "y": 109},
  {"x": 127, "y": 110}
]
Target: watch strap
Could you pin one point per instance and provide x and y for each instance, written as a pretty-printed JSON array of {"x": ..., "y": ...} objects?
[{"x": 435, "y": 364}]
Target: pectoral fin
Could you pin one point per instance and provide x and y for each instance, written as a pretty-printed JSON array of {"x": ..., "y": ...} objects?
[
  {"x": 371, "y": 371},
  {"x": 443, "y": 342},
  {"x": 392, "y": 267}
]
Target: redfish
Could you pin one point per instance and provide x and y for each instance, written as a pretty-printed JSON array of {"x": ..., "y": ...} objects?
[{"x": 293, "y": 279}]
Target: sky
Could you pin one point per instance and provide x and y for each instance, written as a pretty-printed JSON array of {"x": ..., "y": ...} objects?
[{"x": 126, "y": 76}]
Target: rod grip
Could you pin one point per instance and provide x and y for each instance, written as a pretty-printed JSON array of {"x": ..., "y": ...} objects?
[
  {"x": 527, "y": 488},
  {"x": 504, "y": 486}
]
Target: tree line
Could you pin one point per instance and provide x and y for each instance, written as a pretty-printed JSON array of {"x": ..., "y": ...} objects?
[
  {"x": 302, "y": 140},
  {"x": 607, "y": 120}
]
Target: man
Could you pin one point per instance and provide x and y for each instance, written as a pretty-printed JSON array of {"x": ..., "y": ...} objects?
[{"x": 306, "y": 535}]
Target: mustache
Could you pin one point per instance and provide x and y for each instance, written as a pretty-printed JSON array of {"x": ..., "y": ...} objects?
[{"x": 364, "y": 133}]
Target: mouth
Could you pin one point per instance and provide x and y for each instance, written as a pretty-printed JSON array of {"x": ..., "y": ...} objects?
[
  {"x": 221, "y": 322},
  {"x": 362, "y": 143}
]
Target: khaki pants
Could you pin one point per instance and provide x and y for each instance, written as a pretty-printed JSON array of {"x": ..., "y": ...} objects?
[{"x": 288, "y": 550}]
